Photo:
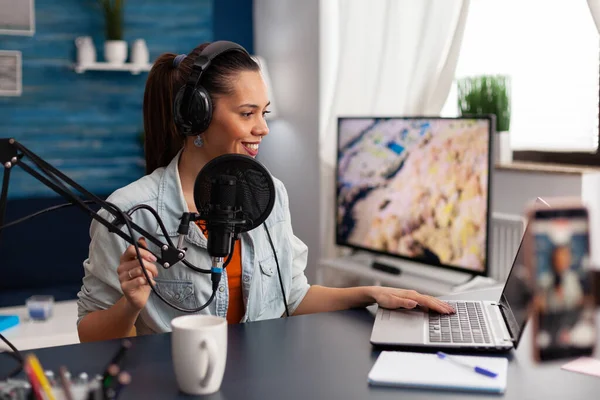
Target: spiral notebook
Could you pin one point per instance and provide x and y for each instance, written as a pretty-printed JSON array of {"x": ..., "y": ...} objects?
[{"x": 427, "y": 370}]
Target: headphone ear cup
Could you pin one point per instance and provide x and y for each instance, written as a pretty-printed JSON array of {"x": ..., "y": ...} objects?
[
  {"x": 194, "y": 116},
  {"x": 200, "y": 110},
  {"x": 184, "y": 125}
]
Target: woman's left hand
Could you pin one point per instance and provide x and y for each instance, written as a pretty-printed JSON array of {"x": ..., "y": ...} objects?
[{"x": 392, "y": 298}]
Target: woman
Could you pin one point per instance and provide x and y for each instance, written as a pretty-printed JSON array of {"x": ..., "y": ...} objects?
[{"x": 115, "y": 295}]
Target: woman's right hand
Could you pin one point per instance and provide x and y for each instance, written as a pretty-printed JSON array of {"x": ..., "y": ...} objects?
[{"x": 134, "y": 285}]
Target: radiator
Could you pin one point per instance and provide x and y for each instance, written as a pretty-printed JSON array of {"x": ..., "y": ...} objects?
[{"x": 505, "y": 237}]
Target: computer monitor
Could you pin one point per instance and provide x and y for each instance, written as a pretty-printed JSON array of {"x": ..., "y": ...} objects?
[{"x": 416, "y": 188}]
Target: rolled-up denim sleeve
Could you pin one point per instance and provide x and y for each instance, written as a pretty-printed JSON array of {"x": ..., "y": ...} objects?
[
  {"x": 101, "y": 288},
  {"x": 300, "y": 284}
]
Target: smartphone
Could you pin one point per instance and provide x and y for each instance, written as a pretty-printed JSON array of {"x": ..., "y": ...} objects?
[{"x": 563, "y": 306}]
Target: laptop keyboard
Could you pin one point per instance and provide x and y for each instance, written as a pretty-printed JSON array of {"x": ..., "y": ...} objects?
[{"x": 467, "y": 325}]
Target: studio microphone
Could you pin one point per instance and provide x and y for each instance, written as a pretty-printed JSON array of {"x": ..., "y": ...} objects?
[
  {"x": 221, "y": 223},
  {"x": 233, "y": 194}
]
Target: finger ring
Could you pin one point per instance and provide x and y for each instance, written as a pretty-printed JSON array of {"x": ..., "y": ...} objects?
[{"x": 129, "y": 273}]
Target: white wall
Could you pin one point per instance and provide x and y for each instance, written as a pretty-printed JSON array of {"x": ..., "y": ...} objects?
[
  {"x": 512, "y": 190},
  {"x": 286, "y": 34},
  {"x": 591, "y": 198}
]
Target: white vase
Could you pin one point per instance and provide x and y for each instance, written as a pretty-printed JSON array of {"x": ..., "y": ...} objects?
[
  {"x": 139, "y": 52},
  {"x": 115, "y": 51},
  {"x": 86, "y": 52},
  {"x": 502, "y": 150}
]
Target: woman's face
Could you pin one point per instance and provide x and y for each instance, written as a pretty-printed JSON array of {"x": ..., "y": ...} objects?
[
  {"x": 238, "y": 123},
  {"x": 562, "y": 259}
]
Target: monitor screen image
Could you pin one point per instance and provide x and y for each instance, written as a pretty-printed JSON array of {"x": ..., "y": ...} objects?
[{"x": 415, "y": 188}]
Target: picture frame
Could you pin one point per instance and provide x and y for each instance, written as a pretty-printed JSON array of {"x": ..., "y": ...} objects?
[
  {"x": 11, "y": 83},
  {"x": 20, "y": 20}
]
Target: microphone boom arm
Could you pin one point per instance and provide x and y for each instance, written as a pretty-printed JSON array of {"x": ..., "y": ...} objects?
[{"x": 12, "y": 154}]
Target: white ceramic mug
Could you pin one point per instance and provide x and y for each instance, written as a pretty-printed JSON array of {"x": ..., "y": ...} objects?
[{"x": 199, "y": 350}]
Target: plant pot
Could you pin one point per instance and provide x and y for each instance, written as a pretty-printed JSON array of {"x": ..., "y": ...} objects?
[
  {"x": 115, "y": 51},
  {"x": 502, "y": 150}
]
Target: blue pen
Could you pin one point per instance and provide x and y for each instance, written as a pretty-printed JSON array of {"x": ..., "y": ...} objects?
[{"x": 477, "y": 369}]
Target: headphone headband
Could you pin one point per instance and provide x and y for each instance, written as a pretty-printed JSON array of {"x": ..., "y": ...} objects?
[
  {"x": 210, "y": 52},
  {"x": 192, "y": 98}
]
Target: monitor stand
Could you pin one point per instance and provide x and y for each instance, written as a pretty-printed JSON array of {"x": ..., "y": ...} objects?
[
  {"x": 400, "y": 273},
  {"x": 425, "y": 271}
]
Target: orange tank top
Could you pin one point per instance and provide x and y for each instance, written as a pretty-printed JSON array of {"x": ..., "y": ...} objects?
[{"x": 235, "y": 308}]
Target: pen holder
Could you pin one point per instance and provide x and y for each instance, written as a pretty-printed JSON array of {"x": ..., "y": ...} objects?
[{"x": 40, "y": 307}]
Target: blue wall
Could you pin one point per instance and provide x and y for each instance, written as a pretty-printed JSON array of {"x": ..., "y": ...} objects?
[
  {"x": 88, "y": 125},
  {"x": 233, "y": 21}
]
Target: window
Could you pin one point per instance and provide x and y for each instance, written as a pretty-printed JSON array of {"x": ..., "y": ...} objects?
[{"x": 551, "y": 51}]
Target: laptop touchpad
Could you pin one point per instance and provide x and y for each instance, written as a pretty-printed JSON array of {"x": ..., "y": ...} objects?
[{"x": 408, "y": 326}]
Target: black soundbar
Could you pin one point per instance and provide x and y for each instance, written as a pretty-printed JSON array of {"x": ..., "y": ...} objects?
[{"x": 386, "y": 268}]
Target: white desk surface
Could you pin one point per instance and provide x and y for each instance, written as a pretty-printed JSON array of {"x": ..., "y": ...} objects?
[{"x": 58, "y": 330}]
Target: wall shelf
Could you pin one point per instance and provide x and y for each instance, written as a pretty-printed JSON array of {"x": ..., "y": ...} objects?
[{"x": 135, "y": 69}]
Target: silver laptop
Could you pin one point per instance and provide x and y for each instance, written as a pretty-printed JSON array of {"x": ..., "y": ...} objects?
[{"x": 482, "y": 325}]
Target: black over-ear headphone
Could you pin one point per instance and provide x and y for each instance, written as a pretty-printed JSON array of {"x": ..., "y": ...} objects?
[{"x": 192, "y": 108}]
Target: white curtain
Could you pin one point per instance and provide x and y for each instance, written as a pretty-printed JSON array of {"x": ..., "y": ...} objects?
[
  {"x": 591, "y": 182},
  {"x": 381, "y": 58},
  {"x": 595, "y": 10}
]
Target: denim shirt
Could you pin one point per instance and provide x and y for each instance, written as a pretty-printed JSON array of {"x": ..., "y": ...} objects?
[{"x": 182, "y": 286}]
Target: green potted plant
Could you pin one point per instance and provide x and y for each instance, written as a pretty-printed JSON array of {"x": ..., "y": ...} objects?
[
  {"x": 489, "y": 94},
  {"x": 115, "y": 48}
]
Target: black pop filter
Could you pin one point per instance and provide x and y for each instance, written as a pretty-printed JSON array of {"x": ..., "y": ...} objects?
[{"x": 254, "y": 187}]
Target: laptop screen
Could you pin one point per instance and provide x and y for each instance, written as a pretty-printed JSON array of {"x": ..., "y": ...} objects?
[{"x": 517, "y": 295}]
